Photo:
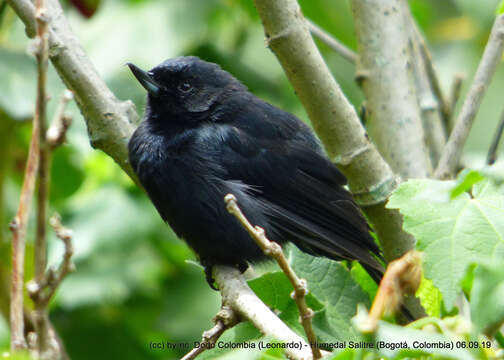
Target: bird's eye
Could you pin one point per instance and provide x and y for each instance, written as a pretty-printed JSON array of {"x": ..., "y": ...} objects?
[{"x": 185, "y": 87}]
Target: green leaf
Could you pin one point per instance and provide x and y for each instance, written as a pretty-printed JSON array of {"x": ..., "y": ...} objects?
[
  {"x": 465, "y": 182},
  {"x": 331, "y": 284},
  {"x": 273, "y": 289},
  {"x": 452, "y": 234},
  {"x": 487, "y": 298},
  {"x": 430, "y": 297}
]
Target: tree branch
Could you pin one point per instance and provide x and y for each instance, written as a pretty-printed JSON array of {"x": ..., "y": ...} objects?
[
  {"x": 48, "y": 345},
  {"x": 429, "y": 96},
  {"x": 110, "y": 122},
  {"x": 333, "y": 43},
  {"x": 274, "y": 250},
  {"x": 486, "y": 69},
  {"x": 385, "y": 71},
  {"x": 370, "y": 178},
  {"x": 237, "y": 295}
]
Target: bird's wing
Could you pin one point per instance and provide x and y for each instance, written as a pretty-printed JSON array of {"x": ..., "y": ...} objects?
[{"x": 301, "y": 191}]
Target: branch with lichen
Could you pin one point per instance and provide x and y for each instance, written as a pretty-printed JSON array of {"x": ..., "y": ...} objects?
[{"x": 274, "y": 250}]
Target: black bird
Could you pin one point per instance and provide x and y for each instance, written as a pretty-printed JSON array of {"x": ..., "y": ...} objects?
[{"x": 204, "y": 135}]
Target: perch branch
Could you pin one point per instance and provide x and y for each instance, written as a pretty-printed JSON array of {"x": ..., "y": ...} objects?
[
  {"x": 385, "y": 72},
  {"x": 237, "y": 295},
  {"x": 226, "y": 318},
  {"x": 335, "y": 120},
  {"x": 274, "y": 250},
  {"x": 486, "y": 69},
  {"x": 333, "y": 43}
]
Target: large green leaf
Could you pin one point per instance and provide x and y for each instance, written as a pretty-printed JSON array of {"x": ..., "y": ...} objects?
[
  {"x": 487, "y": 298},
  {"x": 452, "y": 233}
]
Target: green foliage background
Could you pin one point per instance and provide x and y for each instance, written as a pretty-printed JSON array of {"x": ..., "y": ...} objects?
[{"x": 133, "y": 284}]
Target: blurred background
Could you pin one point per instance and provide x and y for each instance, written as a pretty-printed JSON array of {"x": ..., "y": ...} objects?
[{"x": 133, "y": 283}]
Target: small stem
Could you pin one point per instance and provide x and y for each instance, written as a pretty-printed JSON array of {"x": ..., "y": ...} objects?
[
  {"x": 492, "y": 152},
  {"x": 486, "y": 69},
  {"x": 274, "y": 250},
  {"x": 333, "y": 43}
]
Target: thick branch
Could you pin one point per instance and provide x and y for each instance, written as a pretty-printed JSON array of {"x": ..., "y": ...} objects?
[
  {"x": 486, "y": 69},
  {"x": 237, "y": 295},
  {"x": 110, "y": 122},
  {"x": 385, "y": 71},
  {"x": 370, "y": 178}
]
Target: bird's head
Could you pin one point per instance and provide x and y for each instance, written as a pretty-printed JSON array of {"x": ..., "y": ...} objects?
[{"x": 185, "y": 86}]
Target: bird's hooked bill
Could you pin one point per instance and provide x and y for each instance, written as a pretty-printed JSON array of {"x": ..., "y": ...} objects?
[{"x": 145, "y": 79}]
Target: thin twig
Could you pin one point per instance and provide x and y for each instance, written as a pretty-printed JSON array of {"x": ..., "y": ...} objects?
[
  {"x": 456, "y": 88},
  {"x": 333, "y": 43},
  {"x": 18, "y": 225},
  {"x": 492, "y": 152},
  {"x": 40, "y": 257},
  {"x": 274, "y": 250},
  {"x": 42, "y": 55},
  {"x": 226, "y": 318},
  {"x": 431, "y": 72},
  {"x": 42, "y": 291},
  {"x": 18, "y": 228},
  {"x": 402, "y": 278},
  {"x": 486, "y": 69}
]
